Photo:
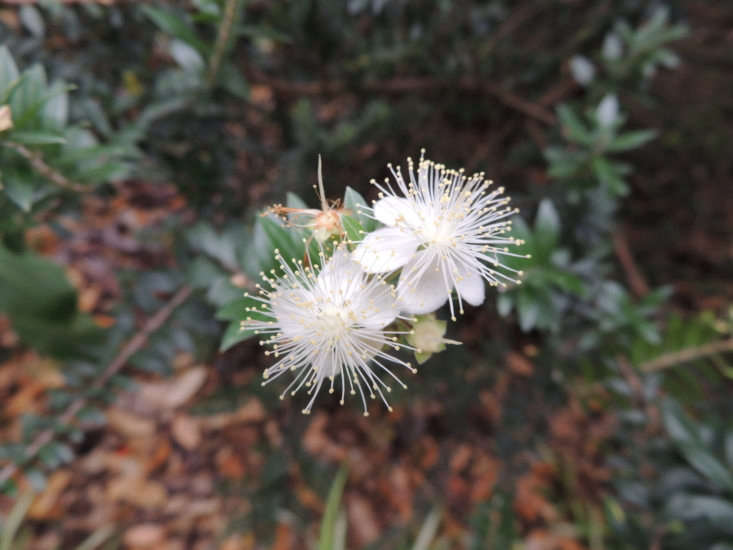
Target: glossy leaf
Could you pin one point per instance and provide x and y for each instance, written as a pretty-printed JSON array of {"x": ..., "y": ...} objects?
[
  {"x": 352, "y": 227},
  {"x": 8, "y": 72},
  {"x": 354, "y": 202},
  {"x": 174, "y": 25}
]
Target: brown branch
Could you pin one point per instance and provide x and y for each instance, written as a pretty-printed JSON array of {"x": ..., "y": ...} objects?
[
  {"x": 512, "y": 23},
  {"x": 686, "y": 355},
  {"x": 128, "y": 350},
  {"x": 414, "y": 85},
  {"x": 39, "y": 165},
  {"x": 636, "y": 280},
  {"x": 558, "y": 92}
]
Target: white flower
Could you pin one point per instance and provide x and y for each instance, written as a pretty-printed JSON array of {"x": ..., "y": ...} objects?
[
  {"x": 445, "y": 230},
  {"x": 329, "y": 323}
]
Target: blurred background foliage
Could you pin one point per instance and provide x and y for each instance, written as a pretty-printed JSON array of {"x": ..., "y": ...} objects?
[{"x": 588, "y": 408}]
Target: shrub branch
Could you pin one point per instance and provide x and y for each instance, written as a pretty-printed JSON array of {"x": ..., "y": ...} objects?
[
  {"x": 686, "y": 355},
  {"x": 133, "y": 345},
  {"x": 39, "y": 165}
]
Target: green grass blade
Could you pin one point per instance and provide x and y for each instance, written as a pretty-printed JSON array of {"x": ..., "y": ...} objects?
[
  {"x": 331, "y": 514},
  {"x": 427, "y": 532},
  {"x": 15, "y": 519}
]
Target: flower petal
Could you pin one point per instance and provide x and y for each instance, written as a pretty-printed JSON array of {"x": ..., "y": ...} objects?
[
  {"x": 470, "y": 286},
  {"x": 393, "y": 210},
  {"x": 422, "y": 289},
  {"x": 377, "y": 307},
  {"x": 338, "y": 274},
  {"x": 385, "y": 250},
  {"x": 285, "y": 304},
  {"x": 388, "y": 209}
]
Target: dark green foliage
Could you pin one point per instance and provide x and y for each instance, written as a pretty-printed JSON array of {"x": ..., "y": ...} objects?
[
  {"x": 41, "y": 304},
  {"x": 548, "y": 279},
  {"x": 41, "y": 134}
]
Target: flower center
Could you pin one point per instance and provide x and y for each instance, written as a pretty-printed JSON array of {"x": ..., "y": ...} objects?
[
  {"x": 439, "y": 233},
  {"x": 334, "y": 320}
]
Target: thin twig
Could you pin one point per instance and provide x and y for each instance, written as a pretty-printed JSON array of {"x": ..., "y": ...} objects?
[
  {"x": 39, "y": 165},
  {"x": 511, "y": 24},
  {"x": 686, "y": 355},
  {"x": 636, "y": 280},
  {"x": 558, "y": 92},
  {"x": 414, "y": 85},
  {"x": 128, "y": 350}
]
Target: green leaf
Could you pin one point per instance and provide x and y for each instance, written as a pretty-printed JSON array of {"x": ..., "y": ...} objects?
[
  {"x": 294, "y": 201},
  {"x": 27, "y": 98},
  {"x": 572, "y": 126},
  {"x": 208, "y": 7},
  {"x": 237, "y": 310},
  {"x": 609, "y": 174},
  {"x": 8, "y": 72},
  {"x": 32, "y": 20},
  {"x": 565, "y": 280},
  {"x": 528, "y": 310},
  {"x": 233, "y": 81},
  {"x": 220, "y": 246},
  {"x": 202, "y": 272},
  {"x": 37, "y": 138},
  {"x": 546, "y": 226},
  {"x": 631, "y": 140},
  {"x": 222, "y": 291},
  {"x": 716, "y": 509},
  {"x": 333, "y": 502},
  {"x": 504, "y": 303},
  {"x": 260, "y": 31},
  {"x": 33, "y": 286},
  {"x": 234, "y": 335},
  {"x": 187, "y": 57},
  {"x": 353, "y": 228},
  {"x": 686, "y": 434},
  {"x": 176, "y": 26},
  {"x": 678, "y": 425},
  {"x": 356, "y": 203},
  {"x": 709, "y": 466},
  {"x": 78, "y": 338},
  {"x": 21, "y": 191},
  {"x": 41, "y": 304},
  {"x": 282, "y": 240},
  {"x": 55, "y": 111}
]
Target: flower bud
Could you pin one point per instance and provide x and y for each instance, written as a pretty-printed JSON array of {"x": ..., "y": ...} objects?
[{"x": 427, "y": 337}]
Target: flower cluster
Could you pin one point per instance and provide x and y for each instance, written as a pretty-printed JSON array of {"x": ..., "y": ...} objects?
[{"x": 336, "y": 320}]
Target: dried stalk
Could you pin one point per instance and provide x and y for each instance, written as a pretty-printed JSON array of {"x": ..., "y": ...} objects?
[
  {"x": 686, "y": 355},
  {"x": 223, "y": 38}
]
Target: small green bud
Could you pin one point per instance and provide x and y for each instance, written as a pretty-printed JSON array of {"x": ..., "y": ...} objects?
[{"x": 428, "y": 337}]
